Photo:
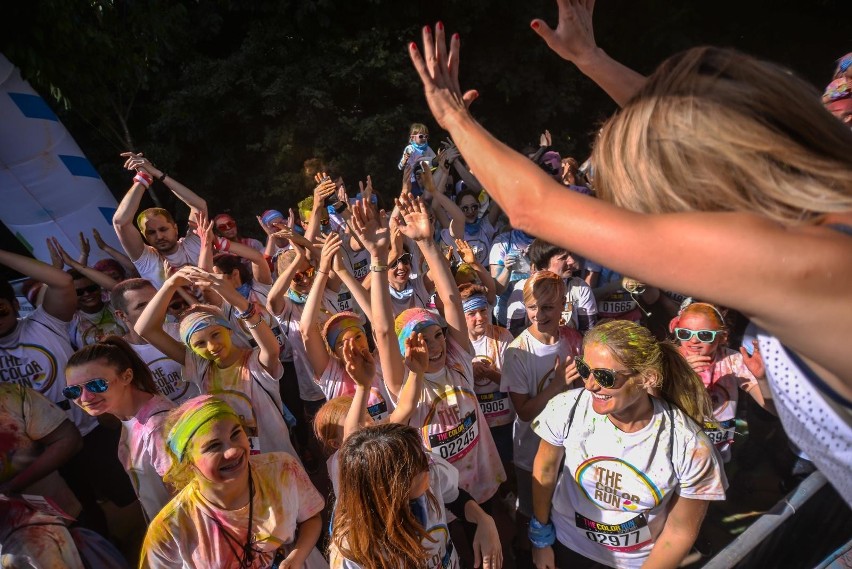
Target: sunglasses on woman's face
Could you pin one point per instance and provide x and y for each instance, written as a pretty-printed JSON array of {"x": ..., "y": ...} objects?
[
  {"x": 226, "y": 226},
  {"x": 405, "y": 259},
  {"x": 97, "y": 385},
  {"x": 470, "y": 208},
  {"x": 603, "y": 376},
  {"x": 87, "y": 289},
  {"x": 705, "y": 336},
  {"x": 302, "y": 277}
]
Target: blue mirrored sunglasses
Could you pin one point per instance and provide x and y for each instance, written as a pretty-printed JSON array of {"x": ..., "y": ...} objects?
[{"x": 97, "y": 385}]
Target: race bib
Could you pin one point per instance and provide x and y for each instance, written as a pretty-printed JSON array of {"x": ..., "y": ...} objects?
[
  {"x": 628, "y": 536},
  {"x": 452, "y": 445},
  {"x": 722, "y": 433},
  {"x": 378, "y": 410},
  {"x": 254, "y": 444},
  {"x": 494, "y": 404},
  {"x": 360, "y": 269}
]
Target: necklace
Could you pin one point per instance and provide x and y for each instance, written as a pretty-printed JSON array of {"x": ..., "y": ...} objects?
[{"x": 234, "y": 544}]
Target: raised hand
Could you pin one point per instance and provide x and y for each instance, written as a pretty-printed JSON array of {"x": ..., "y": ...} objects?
[
  {"x": 754, "y": 362},
  {"x": 370, "y": 226},
  {"x": 291, "y": 219},
  {"x": 545, "y": 139},
  {"x": 574, "y": 36},
  {"x": 99, "y": 241},
  {"x": 325, "y": 188},
  {"x": 414, "y": 219},
  {"x": 55, "y": 255},
  {"x": 203, "y": 228},
  {"x": 359, "y": 363},
  {"x": 366, "y": 189},
  {"x": 416, "y": 353},
  {"x": 439, "y": 72},
  {"x": 85, "y": 247},
  {"x": 329, "y": 251},
  {"x": 465, "y": 251},
  {"x": 426, "y": 181},
  {"x": 570, "y": 373},
  {"x": 137, "y": 162},
  {"x": 266, "y": 229}
]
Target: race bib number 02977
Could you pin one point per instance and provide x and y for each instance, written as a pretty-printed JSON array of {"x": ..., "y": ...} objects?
[{"x": 628, "y": 536}]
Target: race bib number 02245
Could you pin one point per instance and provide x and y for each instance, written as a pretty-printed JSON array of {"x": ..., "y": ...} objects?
[{"x": 454, "y": 444}]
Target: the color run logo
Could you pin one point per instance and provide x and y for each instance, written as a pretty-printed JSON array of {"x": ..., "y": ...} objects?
[{"x": 614, "y": 484}]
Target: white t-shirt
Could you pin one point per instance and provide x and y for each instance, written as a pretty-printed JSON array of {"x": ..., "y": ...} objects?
[
  {"x": 444, "y": 485},
  {"x": 453, "y": 427},
  {"x": 357, "y": 262},
  {"x": 258, "y": 294},
  {"x": 579, "y": 301},
  {"x": 495, "y": 404},
  {"x": 168, "y": 374},
  {"x": 294, "y": 351},
  {"x": 415, "y": 295},
  {"x": 335, "y": 382},
  {"x": 34, "y": 354},
  {"x": 86, "y": 328},
  {"x": 514, "y": 242},
  {"x": 480, "y": 240},
  {"x": 723, "y": 381},
  {"x": 142, "y": 452},
  {"x": 528, "y": 369},
  {"x": 820, "y": 427},
  {"x": 251, "y": 392},
  {"x": 25, "y": 418},
  {"x": 151, "y": 264},
  {"x": 186, "y": 533},
  {"x": 612, "y": 497}
]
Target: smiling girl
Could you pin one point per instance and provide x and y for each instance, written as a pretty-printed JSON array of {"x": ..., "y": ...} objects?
[
  {"x": 638, "y": 470},
  {"x": 233, "y": 509},
  {"x": 246, "y": 378},
  {"x": 108, "y": 377}
]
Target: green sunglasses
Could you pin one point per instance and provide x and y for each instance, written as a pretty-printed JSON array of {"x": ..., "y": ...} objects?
[
  {"x": 705, "y": 336},
  {"x": 603, "y": 376}
]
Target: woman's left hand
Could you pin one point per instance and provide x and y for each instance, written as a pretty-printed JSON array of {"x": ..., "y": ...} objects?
[
  {"x": 439, "y": 72},
  {"x": 359, "y": 363},
  {"x": 415, "y": 219},
  {"x": 416, "y": 353},
  {"x": 487, "y": 550},
  {"x": 465, "y": 251}
]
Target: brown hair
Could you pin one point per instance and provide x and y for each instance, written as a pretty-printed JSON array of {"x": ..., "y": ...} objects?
[
  {"x": 466, "y": 290},
  {"x": 150, "y": 212},
  {"x": 544, "y": 284},
  {"x": 116, "y": 295},
  {"x": 118, "y": 354},
  {"x": 373, "y": 523},
  {"x": 327, "y": 422},
  {"x": 716, "y": 130},
  {"x": 636, "y": 348}
]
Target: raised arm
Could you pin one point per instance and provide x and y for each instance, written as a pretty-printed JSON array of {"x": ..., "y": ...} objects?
[
  {"x": 324, "y": 189},
  {"x": 103, "y": 280},
  {"x": 361, "y": 294},
  {"x": 150, "y": 323},
  {"x": 120, "y": 257},
  {"x": 275, "y": 301},
  {"x": 122, "y": 221},
  {"x": 184, "y": 194},
  {"x": 574, "y": 40},
  {"x": 453, "y": 213},
  {"x": 255, "y": 322},
  {"x": 416, "y": 360},
  {"x": 417, "y": 227},
  {"x": 60, "y": 300},
  {"x": 309, "y": 323},
  {"x": 362, "y": 369},
  {"x": 372, "y": 229},
  {"x": 468, "y": 256}
]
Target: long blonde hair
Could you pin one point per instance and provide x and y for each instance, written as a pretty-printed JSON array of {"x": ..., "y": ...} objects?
[
  {"x": 636, "y": 348},
  {"x": 716, "y": 130}
]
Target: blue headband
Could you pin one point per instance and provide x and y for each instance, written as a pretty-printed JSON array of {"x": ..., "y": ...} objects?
[
  {"x": 199, "y": 321},
  {"x": 475, "y": 302}
]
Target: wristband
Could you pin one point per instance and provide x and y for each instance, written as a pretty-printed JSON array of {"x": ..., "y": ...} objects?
[
  {"x": 222, "y": 244},
  {"x": 323, "y": 272},
  {"x": 163, "y": 177},
  {"x": 250, "y": 311},
  {"x": 143, "y": 178},
  {"x": 256, "y": 324},
  {"x": 378, "y": 268},
  {"x": 541, "y": 535}
]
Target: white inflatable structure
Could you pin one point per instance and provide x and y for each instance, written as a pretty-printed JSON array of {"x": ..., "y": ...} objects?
[{"x": 47, "y": 187}]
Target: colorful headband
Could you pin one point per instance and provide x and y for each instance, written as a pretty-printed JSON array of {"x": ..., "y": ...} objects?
[
  {"x": 413, "y": 320},
  {"x": 475, "y": 302},
  {"x": 196, "y": 321},
  {"x": 338, "y": 324},
  {"x": 200, "y": 411},
  {"x": 836, "y": 90},
  {"x": 843, "y": 65},
  {"x": 271, "y": 215}
]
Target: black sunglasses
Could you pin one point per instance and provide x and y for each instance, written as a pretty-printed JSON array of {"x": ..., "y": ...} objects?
[
  {"x": 603, "y": 376},
  {"x": 405, "y": 259},
  {"x": 87, "y": 289}
]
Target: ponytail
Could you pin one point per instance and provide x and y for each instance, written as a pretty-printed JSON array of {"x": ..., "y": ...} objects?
[
  {"x": 117, "y": 353},
  {"x": 681, "y": 386}
]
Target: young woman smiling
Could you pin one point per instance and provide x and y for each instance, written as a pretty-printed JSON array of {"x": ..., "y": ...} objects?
[
  {"x": 233, "y": 509},
  {"x": 108, "y": 377},
  {"x": 638, "y": 469}
]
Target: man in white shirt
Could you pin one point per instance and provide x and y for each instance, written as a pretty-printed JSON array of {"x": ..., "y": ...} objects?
[{"x": 164, "y": 251}]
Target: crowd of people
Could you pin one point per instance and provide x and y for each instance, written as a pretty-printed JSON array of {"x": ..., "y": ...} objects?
[{"x": 485, "y": 343}]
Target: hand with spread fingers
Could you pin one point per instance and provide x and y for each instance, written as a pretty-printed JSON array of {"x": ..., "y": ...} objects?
[
  {"x": 439, "y": 71},
  {"x": 416, "y": 353},
  {"x": 414, "y": 218},
  {"x": 574, "y": 37},
  {"x": 371, "y": 227},
  {"x": 359, "y": 364}
]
